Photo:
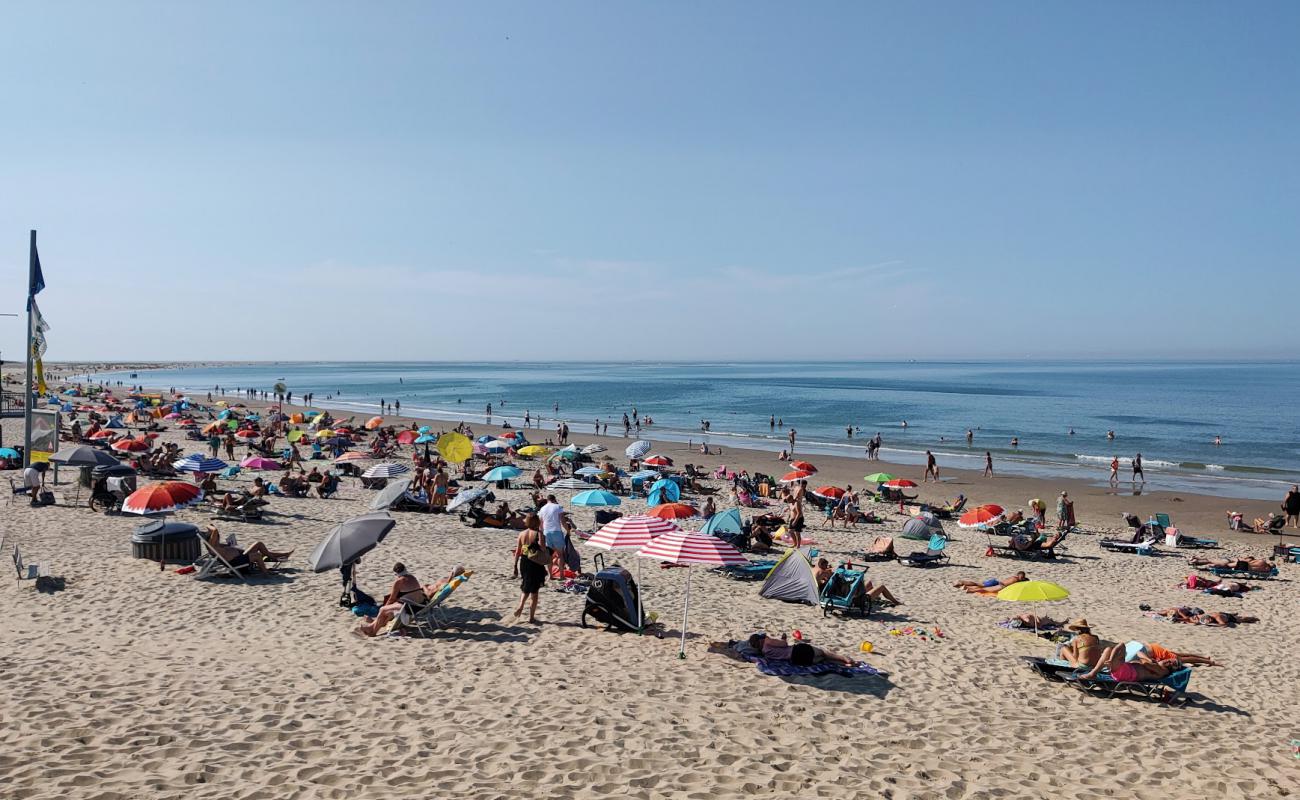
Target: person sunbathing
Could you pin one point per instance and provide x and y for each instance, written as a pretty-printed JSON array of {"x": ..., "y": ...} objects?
[
  {"x": 1179, "y": 613},
  {"x": 1269, "y": 524},
  {"x": 990, "y": 586},
  {"x": 1222, "y": 619},
  {"x": 406, "y": 589},
  {"x": 1085, "y": 649},
  {"x": 1031, "y": 621},
  {"x": 1141, "y": 671},
  {"x": 256, "y": 554},
  {"x": 1028, "y": 544},
  {"x": 800, "y": 653},
  {"x": 431, "y": 589},
  {"x": 877, "y": 591},
  {"x": 1135, "y": 652},
  {"x": 1238, "y": 564}
]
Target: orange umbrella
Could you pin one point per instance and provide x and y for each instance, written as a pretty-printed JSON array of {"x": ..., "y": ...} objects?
[
  {"x": 982, "y": 516},
  {"x": 130, "y": 446},
  {"x": 374, "y": 422},
  {"x": 212, "y": 427},
  {"x": 102, "y": 435},
  {"x": 672, "y": 511}
]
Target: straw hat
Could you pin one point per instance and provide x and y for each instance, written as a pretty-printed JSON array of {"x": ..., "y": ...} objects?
[{"x": 1079, "y": 625}]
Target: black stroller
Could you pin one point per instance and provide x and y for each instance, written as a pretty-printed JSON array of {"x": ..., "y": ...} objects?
[{"x": 613, "y": 600}]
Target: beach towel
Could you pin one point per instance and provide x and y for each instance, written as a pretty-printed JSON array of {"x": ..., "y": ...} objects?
[{"x": 741, "y": 651}]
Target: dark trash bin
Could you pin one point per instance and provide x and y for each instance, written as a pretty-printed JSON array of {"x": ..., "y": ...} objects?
[{"x": 175, "y": 542}]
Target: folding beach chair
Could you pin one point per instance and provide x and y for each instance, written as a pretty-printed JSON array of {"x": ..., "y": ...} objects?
[
  {"x": 423, "y": 619},
  {"x": 932, "y": 556},
  {"x": 27, "y": 572}
]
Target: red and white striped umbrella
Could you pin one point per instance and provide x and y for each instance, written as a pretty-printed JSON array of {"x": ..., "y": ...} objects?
[
  {"x": 797, "y": 475},
  {"x": 692, "y": 547},
  {"x": 689, "y": 548},
  {"x": 159, "y": 498},
  {"x": 629, "y": 533},
  {"x": 658, "y": 461}
]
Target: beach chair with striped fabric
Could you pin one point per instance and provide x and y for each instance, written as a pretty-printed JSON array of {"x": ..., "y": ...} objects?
[{"x": 423, "y": 619}]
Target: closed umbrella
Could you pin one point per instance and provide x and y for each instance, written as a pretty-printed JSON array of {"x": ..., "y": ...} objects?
[
  {"x": 386, "y": 470},
  {"x": 638, "y": 448},
  {"x": 390, "y": 494},
  {"x": 690, "y": 548},
  {"x": 596, "y": 497},
  {"x": 349, "y": 540}
]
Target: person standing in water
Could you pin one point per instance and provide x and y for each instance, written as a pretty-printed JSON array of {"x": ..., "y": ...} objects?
[
  {"x": 988, "y": 464},
  {"x": 1137, "y": 469},
  {"x": 1114, "y": 470}
]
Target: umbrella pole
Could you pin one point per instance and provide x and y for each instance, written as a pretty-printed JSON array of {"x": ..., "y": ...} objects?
[
  {"x": 640, "y": 607},
  {"x": 686, "y": 610}
]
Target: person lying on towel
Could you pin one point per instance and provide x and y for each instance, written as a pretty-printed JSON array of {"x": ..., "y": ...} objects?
[{"x": 801, "y": 654}]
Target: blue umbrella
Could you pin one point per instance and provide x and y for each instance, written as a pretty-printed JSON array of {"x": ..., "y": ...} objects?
[
  {"x": 642, "y": 474},
  {"x": 504, "y": 473},
  {"x": 595, "y": 497},
  {"x": 199, "y": 463},
  {"x": 425, "y": 439},
  {"x": 423, "y": 429},
  {"x": 224, "y": 414},
  {"x": 485, "y": 439},
  {"x": 8, "y": 452}
]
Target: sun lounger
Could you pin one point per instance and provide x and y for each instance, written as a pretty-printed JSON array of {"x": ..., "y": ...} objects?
[
  {"x": 1241, "y": 574},
  {"x": 1034, "y": 552},
  {"x": 1146, "y": 547},
  {"x": 753, "y": 571},
  {"x": 930, "y": 557},
  {"x": 1167, "y": 690}
]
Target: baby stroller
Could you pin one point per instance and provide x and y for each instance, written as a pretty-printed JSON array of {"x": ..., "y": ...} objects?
[
  {"x": 846, "y": 592},
  {"x": 612, "y": 600}
]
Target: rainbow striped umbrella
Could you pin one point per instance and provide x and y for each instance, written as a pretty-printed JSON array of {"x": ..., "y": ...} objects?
[{"x": 690, "y": 548}]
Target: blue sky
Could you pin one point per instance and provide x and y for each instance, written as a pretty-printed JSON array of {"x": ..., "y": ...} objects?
[{"x": 618, "y": 180}]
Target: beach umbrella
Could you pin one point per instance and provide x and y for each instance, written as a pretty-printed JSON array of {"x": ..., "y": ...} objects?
[
  {"x": 829, "y": 492},
  {"x": 672, "y": 511},
  {"x": 390, "y": 494},
  {"x": 130, "y": 446},
  {"x": 257, "y": 462},
  {"x": 803, "y": 466},
  {"x": 497, "y": 446},
  {"x": 658, "y": 461},
  {"x": 9, "y": 452},
  {"x": 99, "y": 435},
  {"x": 423, "y": 429},
  {"x": 350, "y": 456},
  {"x": 723, "y": 522},
  {"x": 349, "y": 540},
  {"x": 630, "y": 533},
  {"x": 386, "y": 470},
  {"x": 644, "y": 474},
  {"x": 981, "y": 517},
  {"x": 455, "y": 447},
  {"x": 1033, "y": 592},
  {"x": 325, "y": 433},
  {"x": 878, "y": 477},
  {"x": 690, "y": 548},
  {"x": 567, "y": 454},
  {"x": 589, "y": 471},
  {"x": 199, "y": 463},
  {"x": 533, "y": 451},
  {"x": 485, "y": 439},
  {"x": 406, "y": 437},
  {"x": 796, "y": 476},
  {"x": 502, "y": 473},
  {"x": 425, "y": 438},
  {"x": 900, "y": 483},
  {"x": 374, "y": 422},
  {"x": 595, "y": 497},
  {"x": 569, "y": 483},
  {"x": 466, "y": 496},
  {"x": 293, "y": 435},
  {"x": 172, "y": 415},
  {"x": 246, "y": 434},
  {"x": 186, "y": 423},
  {"x": 160, "y": 498},
  {"x": 638, "y": 448},
  {"x": 81, "y": 455},
  {"x": 592, "y": 449}
]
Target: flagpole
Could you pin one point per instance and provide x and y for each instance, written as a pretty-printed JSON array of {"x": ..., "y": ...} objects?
[{"x": 27, "y": 386}]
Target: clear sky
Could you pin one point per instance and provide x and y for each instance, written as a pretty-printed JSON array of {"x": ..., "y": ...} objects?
[{"x": 653, "y": 180}]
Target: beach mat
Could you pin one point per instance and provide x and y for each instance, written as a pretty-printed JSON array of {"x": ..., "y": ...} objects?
[{"x": 741, "y": 651}]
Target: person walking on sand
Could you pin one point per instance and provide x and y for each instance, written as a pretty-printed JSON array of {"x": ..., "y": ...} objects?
[
  {"x": 931, "y": 468},
  {"x": 530, "y": 564},
  {"x": 1114, "y": 470},
  {"x": 1137, "y": 469},
  {"x": 1064, "y": 512},
  {"x": 791, "y": 436},
  {"x": 988, "y": 464}
]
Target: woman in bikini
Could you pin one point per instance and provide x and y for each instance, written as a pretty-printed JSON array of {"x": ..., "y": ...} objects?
[
  {"x": 406, "y": 589},
  {"x": 990, "y": 586}
]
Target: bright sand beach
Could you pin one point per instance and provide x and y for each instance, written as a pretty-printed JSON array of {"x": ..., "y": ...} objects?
[{"x": 136, "y": 682}]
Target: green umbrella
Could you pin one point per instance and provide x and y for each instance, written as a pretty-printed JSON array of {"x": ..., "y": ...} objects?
[{"x": 879, "y": 477}]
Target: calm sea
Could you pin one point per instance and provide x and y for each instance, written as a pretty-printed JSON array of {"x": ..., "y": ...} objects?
[{"x": 1168, "y": 411}]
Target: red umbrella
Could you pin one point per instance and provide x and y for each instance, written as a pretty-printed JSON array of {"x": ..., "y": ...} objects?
[
  {"x": 672, "y": 511},
  {"x": 186, "y": 423},
  {"x": 690, "y": 547},
  {"x": 981, "y": 516},
  {"x": 658, "y": 461},
  {"x": 159, "y": 498},
  {"x": 406, "y": 437},
  {"x": 97, "y": 435},
  {"x": 247, "y": 434},
  {"x": 803, "y": 466},
  {"x": 798, "y": 475},
  {"x": 900, "y": 483},
  {"x": 130, "y": 446},
  {"x": 829, "y": 492}
]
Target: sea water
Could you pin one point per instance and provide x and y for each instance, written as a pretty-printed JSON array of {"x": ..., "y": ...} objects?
[{"x": 1170, "y": 411}]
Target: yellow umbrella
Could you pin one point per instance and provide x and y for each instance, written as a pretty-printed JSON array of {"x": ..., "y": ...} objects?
[
  {"x": 294, "y": 435},
  {"x": 1033, "y": 592},
  {"x": 321, "y": 434},
  {"x": 533, "y": 450},
  {"x": 455, "y": 447}
]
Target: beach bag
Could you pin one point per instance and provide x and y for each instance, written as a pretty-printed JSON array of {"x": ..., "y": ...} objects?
[{"x": 537, "y": 554}]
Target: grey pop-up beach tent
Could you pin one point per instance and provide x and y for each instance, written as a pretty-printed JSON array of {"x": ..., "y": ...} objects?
[{"x": 792, "y": 580}]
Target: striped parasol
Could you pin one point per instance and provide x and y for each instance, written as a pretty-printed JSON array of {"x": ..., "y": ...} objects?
[
  {"x": 658, "y": 461},
  {"x": 638, "y": 448},
  {"x": 386, "y": 470},
  {"x": 629, "y": 533},
  {"x": 199, "y": 463},
  {"x": 690, "y": 548},
  {"x": 351, "y": 455},
  {"x": 569, "y": 483}
]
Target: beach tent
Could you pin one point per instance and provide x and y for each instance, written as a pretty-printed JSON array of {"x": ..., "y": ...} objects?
[
  {"x": 723, "y": 522},
  {"x": 664, "y": 491},
  {"x": 792, "y": 580},
  {"x": 922, "y": 527}
]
